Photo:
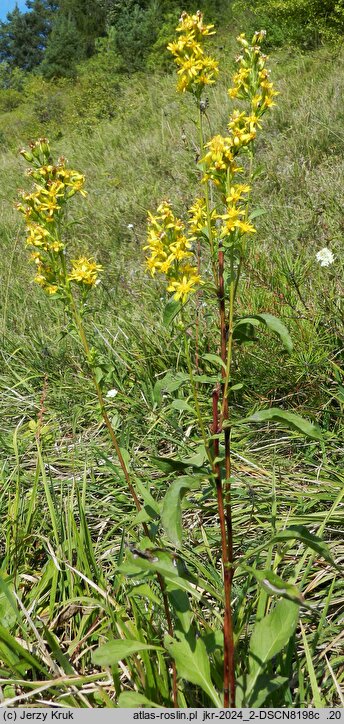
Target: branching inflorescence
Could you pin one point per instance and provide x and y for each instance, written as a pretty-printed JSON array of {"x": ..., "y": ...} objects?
[
  {"x": 226, "y": 221},
  {"x": 43, "y": 209},
  {"x": 219, "y": 221}
]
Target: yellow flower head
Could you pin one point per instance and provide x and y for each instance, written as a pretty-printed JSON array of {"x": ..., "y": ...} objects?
[
  {"x": 85, "y": 271},
  {"x": 170, "y": 252},
  {"x": 251, "y": 81},
  {"x": 195, "y": 69},
  {"x": 184, "y": 286},
  {"x": 193, "y": 24},
  {"x": 198, "y": 217}
]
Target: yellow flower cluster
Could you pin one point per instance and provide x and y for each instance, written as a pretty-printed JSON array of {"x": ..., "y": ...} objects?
[
  {"x": 196, "y": 69},
  {"x": 85, "y": 271},
  {"x": 170, "y": 252},
  {"x": 251, "y": 81},
  {"x": 234, "y": 219},
  {"x": 43, "y": 209},
  {"x": 199, "y": 218}
]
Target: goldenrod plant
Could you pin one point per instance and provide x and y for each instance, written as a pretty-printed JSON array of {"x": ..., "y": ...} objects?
[
  {"x": 162, "y": 624},
  {"x": 217, "y": 230}
]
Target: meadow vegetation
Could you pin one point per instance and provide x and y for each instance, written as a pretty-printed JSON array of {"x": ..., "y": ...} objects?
[{"x": 83, "y": 615}]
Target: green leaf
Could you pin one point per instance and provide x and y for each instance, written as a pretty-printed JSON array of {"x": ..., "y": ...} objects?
[
  {"x": 207, "y": 379},
  {"x": 114, "y": 651},
  {"x": 244, "y": 332},
  {"x": 182, "y": 405},
  {"x": 170, "y": 312},
  {"x": 172, "y": 381},
  {"x": 269, "y": 637},
  {"x": 170, "y": 566},
  {"x": 98, "y": 374},
  {"x": 170, "y": 465},
  {"x": 274, "y": 585},
  {"x": 8, "y": 604},
  {"x": 145, "y": 591},
  {"x": 272, "y": 323},
  {"x": 237, "y": 387},
  {"x": 171, "y": 516},
  {"x": 296, "y": 422},
  {"x": 256, "y": 213},
  {"x": 192, "y": 662},
  {"x": 134, "y": 700},
  {"x": 214, "y": 358},
  {"x": 301, "y": 533},
  {"x": 318, "y": 700},
  {"x": 180, "y": 604},
  {"x": 265, "y": 686}
]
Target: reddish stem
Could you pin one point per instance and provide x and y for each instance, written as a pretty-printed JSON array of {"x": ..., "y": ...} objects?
[
  {"x": 198, "y": 308},
  {"x": 224, "y": 505}
]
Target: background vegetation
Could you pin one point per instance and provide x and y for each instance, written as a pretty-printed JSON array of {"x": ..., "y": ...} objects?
[{"x": 111, "y": 108}]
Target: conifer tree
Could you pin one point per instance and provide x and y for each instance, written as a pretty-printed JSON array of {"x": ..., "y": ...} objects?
[{"x": 23, "y": 36}]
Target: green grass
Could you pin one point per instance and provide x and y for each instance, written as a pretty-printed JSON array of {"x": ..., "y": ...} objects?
[{"x": 68, "y": 581}]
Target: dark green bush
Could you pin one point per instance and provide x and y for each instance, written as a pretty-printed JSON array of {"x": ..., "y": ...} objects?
[
  {"x": 304, "y": 22},
  {"x": 9, "y": 100}
]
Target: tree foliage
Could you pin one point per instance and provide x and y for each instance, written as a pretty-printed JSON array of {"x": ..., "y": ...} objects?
[
  {"x": 304, "y": 22},
  {"x": 23, "y": 37}
]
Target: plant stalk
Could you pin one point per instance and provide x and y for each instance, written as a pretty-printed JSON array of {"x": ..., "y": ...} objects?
[
  {"x": 83, "y": 338},
  {"x": 224, "y": 500}
]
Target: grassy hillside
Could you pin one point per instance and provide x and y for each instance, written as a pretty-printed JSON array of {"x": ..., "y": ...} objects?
[{"x": 65, "y": 567}]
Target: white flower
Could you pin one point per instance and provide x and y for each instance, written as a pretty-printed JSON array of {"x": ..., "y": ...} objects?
[
  {"x": 130, "y": 226},
  {"x": 325, "y": 257},
  {"x": 112, "y": 393}
]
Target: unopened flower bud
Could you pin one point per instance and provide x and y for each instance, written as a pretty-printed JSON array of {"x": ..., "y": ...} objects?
[{"x": 28, "y": 155}]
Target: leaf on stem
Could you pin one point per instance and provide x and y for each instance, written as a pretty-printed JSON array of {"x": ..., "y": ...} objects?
[
  {"x": 272, "y": 323},
  {"x": 274, "y": 585},
  {"x": 171, "y": 516},
  {"x": 171, "y": 310},
  {"x": 301, "y": 533},
  {"x": 290, "y": 419}
]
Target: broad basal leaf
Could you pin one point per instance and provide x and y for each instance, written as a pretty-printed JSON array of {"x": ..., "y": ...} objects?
[
  {"x": 134, "y": 700},
  {"x": 269, "y": 637},
  {"x": 265, "y": 686},
  {"x": 192, "y": 662}
]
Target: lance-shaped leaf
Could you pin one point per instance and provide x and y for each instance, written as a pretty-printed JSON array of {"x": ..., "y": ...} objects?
[
  {"x": 134, "y": 700},
  {"x": 274, "y": 585},
  {"x": 114, "y": 651},
  {"x": 156, "y": 560},
  {"x": 301, "y": 533},
  {"x": 264, "y": 687},
  {"x": 171, "y": 310},
  {"x": 171, "y": 516},
  {"x": 192, "y": 662},
  {"x": 272, "y": 323},
  {"x": 269, "y": 637},
  {"x": 290, "y": 419},
  {"x": 170, "y": 465}
]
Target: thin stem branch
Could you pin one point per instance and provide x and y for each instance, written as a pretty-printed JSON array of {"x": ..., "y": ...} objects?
[
  {"x": 83, "y": 338},
  {"x": 207, "y": 196},
  {"x": 195, "y": 396},
  {"x": 228, "y": 655}
]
